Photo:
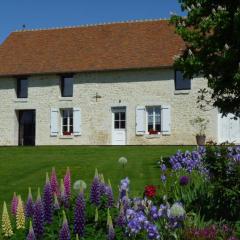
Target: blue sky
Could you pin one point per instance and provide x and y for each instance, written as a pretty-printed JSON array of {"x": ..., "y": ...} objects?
[{"x": 58, "y": 13}]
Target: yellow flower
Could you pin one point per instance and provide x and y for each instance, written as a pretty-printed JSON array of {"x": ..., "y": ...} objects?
[
  {"x": 6, "y": 224},
  {"x": 20, "y": 217}
]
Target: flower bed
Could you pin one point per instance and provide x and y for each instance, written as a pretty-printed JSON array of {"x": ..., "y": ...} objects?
[{"x": 178, "y": 208}]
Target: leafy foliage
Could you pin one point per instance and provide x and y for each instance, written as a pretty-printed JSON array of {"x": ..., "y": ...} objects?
[{"x": 211, "y": 31}]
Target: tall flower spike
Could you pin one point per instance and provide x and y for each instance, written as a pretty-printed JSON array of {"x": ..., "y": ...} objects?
[
  {"x": 67, "y": 183},
  {"x": 48, "y": 201},
  {"x": 6, "y": 223},
  {"x": 54, "y": 182},
  {"x": 96, "y": 215},
  {"x": 109, "y": 195},
  {"x": 56, "y": 205},
  {"x": 79, "y": 214},
  {"x": 64, "y": 233},
  {"x": 31, "y": 234},
  {"x": 20, "y": 216},
  {"x": 29, "y": 205},
  {"x": 111, "y": 232},
  {"x": 38, "y": 216},
  {"x": 63, "y": 197},
  {"x": 95, "y": 190},
  {"x": 102, "y": 184},
  {"x": 14, "y": 204},
  {"x": 121, "y": 220}
]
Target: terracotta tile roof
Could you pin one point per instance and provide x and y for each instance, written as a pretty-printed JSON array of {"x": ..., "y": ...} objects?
[{"x": 129, "y": 45}]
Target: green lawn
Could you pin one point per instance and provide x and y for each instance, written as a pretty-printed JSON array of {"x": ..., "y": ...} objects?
[{"x": 26, "y": 166}]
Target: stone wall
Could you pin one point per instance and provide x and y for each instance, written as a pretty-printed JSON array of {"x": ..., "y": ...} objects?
[{"x": 128, "y": 88}]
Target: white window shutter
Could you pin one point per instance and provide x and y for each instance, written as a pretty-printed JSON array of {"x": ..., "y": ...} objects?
[
  {"x": 140, "y": 120},
  {"x": 76, "y": 121},
  {"x": 54, "y": 121},
  {"x": 166, "y": 119}
]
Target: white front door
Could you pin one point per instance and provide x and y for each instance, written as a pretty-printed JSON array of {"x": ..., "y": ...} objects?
[
  {"x": 228, "y": 129},
  {"x": 119, "y": 126}
]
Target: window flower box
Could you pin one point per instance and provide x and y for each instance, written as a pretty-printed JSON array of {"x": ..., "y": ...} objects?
[
  {"x": 153, "y": 132},
  {"x": 67, "y": 133}
]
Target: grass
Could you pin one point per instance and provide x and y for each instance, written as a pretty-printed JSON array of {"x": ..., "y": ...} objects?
[{"x": 23, "y": 167}]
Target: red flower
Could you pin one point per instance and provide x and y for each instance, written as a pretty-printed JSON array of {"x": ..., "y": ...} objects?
[{"x": 150, "y": 191}]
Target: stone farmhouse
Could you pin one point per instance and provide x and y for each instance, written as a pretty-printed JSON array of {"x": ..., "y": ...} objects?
[{"x": 106, "y": 84}]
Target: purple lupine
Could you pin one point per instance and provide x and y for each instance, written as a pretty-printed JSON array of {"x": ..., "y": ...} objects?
[
  {"x": 38, "y": 216},
  {"x": 184, "y": 180},
  {"x": 14, "y": 204},
  {"x": 121, "y": 219},
  {"x": 64, "y": 233},
  {"x": 111, "y": 232},
  {"x": 67, "y": 183},
  {"x": 29, "y": 205},
  {"x": 31, "y": 234},
  {"x": 48, "y": 201},
  {"x": 109, "y": 195},
  {"x": 102, "y": 185},
  {"x": 95, "y": 190},
  {"x": 79, "y": 215},
  {"x": 124, "y": 188},
  {"x": 54, "y": 182}
]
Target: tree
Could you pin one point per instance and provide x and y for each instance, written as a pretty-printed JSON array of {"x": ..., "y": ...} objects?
[{"x": 211, "y": 31}]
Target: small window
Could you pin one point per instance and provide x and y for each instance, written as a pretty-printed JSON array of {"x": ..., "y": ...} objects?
[
  {"x": 181, "y": 83},
  {"x": 120, "y": 119},
  {"x": 153, "y": 119},
  {"x": 67, "y": 86},
  {"x": 67, "y": 121},
  {"x": 22, "y": 88}
]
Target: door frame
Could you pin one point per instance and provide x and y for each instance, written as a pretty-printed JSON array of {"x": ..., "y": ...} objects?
[
  {"x": 114, "y": 110},
  {"x": 19, "y": 128}
]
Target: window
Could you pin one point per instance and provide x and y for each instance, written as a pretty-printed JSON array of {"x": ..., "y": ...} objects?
[
  {"x": 181, "y": 83},
  {"x": 67, "y": 86},
  {"x": 119, "y": 120},
  {"x": 22, "y": 88},
  {"x": 153, "y": 119},
  {"x": 67, "y": 121}
]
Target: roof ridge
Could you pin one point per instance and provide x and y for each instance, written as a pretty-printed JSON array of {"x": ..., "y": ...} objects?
[{"x": 93, "y": 25}]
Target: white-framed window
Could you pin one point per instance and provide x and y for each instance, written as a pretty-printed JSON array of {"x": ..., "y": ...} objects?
[
  {"x": 67, "y": 121},
  {"x": 153, "y": 119}
]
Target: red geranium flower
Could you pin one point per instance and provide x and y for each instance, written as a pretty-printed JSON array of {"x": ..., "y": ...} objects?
[{"x": 150, "y": 191}]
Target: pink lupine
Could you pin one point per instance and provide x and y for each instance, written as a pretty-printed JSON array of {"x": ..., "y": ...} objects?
[
  {"x": 54, "y": 182},
  {"x": 14, "y": 204},
  {"x": 67, "y": 183}
]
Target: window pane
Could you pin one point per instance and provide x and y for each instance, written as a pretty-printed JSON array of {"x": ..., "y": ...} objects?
[
  {"x": 117, "y": 116},
  {"x": 71, "y": 129},
  {"x": 22, "y": 88},
  {"x": 64, "y": 121},
  {"x": 181, "y": 83},
  {"x": 71, "y": 121},
  {"x": 116, "y": 124},
  {"x": 150, "y": 127},
  {"x": 67, "y": 87},
  {"x": 158, "y": 127},
  {"x": 122, "y": 124},
  {"x": 64, "y": 129},
  {"x": 150, "y": 119},
  {"x": 150, "y": 111},
  {"x": 123, "y": 116}
]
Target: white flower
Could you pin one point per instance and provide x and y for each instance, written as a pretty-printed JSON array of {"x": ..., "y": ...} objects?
[
  {"x": 189, "y": 9},
  {"x": 192, "y": 7},
  {"x": 176, "y": 57},
  {"x": 177, "y": 210},
  {"x": 199, "y": 5},
  {"x": 190, "y": 53},
  {"x": 214, "y": 11},
  {"x": 77, "y": 185},
  {"x": 226, "y": 46},
  {"x": 123, "y": 160}
]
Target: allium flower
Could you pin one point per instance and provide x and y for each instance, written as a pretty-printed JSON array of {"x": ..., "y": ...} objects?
[
  {"x": 31, "y": 234},
  {"x": 79, "y": 215},
  {"x": 64, "y": 233},
  {"x": 150, "y": 191},
  {"x": 29, "y": 205},
  {"x": 78, "y": 184},
  {"x": 111, "y": 232},
  {"x": 177, "y": 210},
  {"x": 48, "y": 201},
  {"x": 20, "y": 216},
  {"x": 67, "y": 183},
  {"x": 184, "y": 180},
  {"x": 56, "y": 205},
  {"x": 54, "y": 182},
  {"x": 14, "y": 204},
  {"x": 95, "y": 190},
  {"x": 38, "y": 216},
  {"x": 123, "y": 161},
  {"x": 6, "y": 223}
]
